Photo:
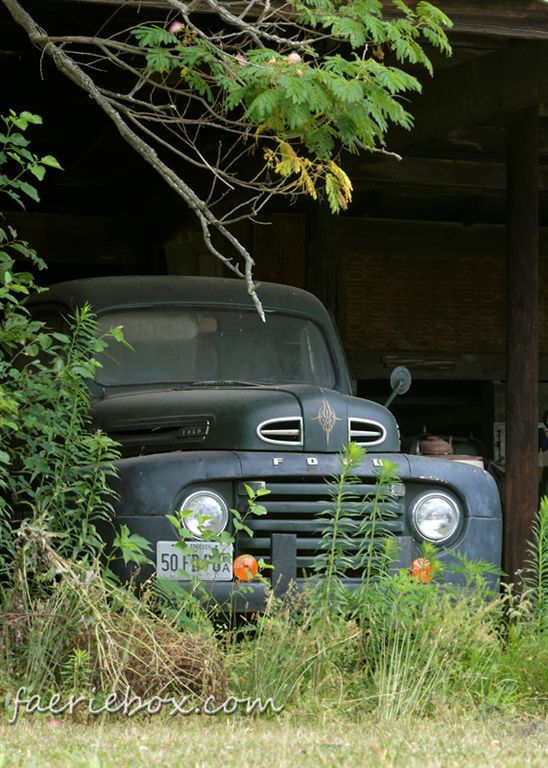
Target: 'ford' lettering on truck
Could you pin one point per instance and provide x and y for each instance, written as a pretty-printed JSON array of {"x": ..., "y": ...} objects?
[{"x": 212, "y": 402}]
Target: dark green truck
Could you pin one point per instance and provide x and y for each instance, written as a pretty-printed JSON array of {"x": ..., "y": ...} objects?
[{"x": 212, "y": 399}]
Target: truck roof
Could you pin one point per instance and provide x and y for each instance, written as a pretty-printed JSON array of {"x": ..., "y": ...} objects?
[{"x": 104, "y": 293}]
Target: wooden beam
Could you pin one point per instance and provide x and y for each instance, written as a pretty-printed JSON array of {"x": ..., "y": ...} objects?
[
  {"x": 522, "y": 337},
  {"x": 469, "y": 366},
  {"x": 498, "y": 18},
  {"x": 506, "y": 18},
  {"x": 456, "y": 174},
  {"x": 476, "y": 92},
  {"x": 360, "y": 235},
  {"x": 81, "y": 239}
]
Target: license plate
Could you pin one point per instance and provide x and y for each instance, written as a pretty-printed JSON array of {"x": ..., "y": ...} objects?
[{"x": 171, "y": 563}]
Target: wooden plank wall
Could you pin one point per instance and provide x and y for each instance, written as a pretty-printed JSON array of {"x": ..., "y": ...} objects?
[{"x": 428, "y": 295}]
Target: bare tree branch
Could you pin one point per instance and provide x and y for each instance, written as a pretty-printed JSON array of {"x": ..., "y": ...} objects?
[
  {"x": 289, "y": 87},
  {"x": 65, "y": 64}
]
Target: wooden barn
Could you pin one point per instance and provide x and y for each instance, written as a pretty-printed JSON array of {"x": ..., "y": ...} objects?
[{"x": 440, "y": 264}]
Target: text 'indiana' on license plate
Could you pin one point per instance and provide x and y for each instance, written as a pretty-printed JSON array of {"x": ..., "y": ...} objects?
[{"x": 171, "y": 563}]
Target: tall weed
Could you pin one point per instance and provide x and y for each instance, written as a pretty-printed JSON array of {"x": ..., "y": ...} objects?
[
  {"x": 65, "y": 624},
  {"x": 426, "y": 643},
  {"x": 353, "y": 535},
  {"x": 536, "y": 573}
]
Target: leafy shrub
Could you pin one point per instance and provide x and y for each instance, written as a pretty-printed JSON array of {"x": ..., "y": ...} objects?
[
  {"x": 65, "y": 623},
  {"x": 53, "y": 468}
]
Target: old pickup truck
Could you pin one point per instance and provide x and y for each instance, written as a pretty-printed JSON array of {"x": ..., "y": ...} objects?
[{"x": 211, "y": 401}]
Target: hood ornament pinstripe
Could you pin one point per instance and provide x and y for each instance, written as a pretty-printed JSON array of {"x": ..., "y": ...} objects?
[{"x": 327, "y": 419}]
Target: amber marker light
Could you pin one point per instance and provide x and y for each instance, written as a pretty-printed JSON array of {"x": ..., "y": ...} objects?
[
  {"x": 421, "y": 570},
  {"x": 245, "y": 567}
]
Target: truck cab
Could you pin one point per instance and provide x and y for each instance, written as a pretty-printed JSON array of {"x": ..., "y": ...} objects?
[{"x": 209, "y": 401}]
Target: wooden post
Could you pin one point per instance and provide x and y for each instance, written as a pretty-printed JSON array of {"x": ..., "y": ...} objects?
[{"x": 522, "y": 331}]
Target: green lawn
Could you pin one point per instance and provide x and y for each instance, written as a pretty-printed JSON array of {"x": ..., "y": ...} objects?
[{"x": 277, "y": 742}]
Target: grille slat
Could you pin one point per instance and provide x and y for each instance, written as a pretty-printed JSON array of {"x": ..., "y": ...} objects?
[
  {"x": 303, "y": 562},
  {"x": 309, "y": 562},
  {"x": 304, "y": 543},
  {"x": 317, "y": 507},
  {"x": 309, "y": 526},
  {"x": 318, "y": 490},
  {"x": 305, "y": 567}
]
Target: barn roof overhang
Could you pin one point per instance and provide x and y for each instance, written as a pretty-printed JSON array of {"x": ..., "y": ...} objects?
[{"x": 454, "y": 161}]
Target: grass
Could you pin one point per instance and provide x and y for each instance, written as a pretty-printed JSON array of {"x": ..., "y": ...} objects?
[{"x": 436, "y": 742}]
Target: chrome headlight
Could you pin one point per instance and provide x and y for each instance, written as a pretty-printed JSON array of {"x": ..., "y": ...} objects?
[
  {"x": 207, "y": 511},
  {"x": 436, "y": 516}
]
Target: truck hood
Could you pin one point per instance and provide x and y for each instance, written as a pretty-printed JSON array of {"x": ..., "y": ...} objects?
[{"x": 298, "y": 418}]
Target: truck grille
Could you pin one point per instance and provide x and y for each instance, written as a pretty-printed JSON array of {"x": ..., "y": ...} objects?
[{"x": 295, "y": 506}]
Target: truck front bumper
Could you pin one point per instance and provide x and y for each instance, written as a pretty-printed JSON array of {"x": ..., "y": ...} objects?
[{"x": 149, "y": 486}]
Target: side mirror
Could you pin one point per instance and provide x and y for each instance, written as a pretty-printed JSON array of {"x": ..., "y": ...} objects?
[{"x": 400, "y": 381}]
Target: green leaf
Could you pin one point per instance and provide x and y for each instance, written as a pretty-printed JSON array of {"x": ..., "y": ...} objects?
[
  {"x": 18, "y": 140},
  {"x": 15, "y": 196},
  {"x": 17, "y": 157},
  {"x": 153, "y": 36},
  {"x": 32, "y": 118},
  {"x": 239, "y": 526},
  {"x": 20, "y": 122},
  {"x": 117, "y": 333},
  {"x": 183, "y": 547},
  {"x": 263, "y": 105},
  {"x": 437, "y": 39},
  {"x": 132, "y": 546},
  {"x": 61, "y": 337},
  {"x": 51, "y": 162},
  {"x": 159, "y": 60},
  {"x": 175, "y": 522},
  {"x": 29, "y": 190},
  {"x": 402, "y": 6},
  {"x": 430, "y": 11},
  {"x": 37, "y": 171}
]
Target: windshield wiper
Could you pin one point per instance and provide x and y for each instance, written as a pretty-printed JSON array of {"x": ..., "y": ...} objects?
[{"x": 224, "y": 383}]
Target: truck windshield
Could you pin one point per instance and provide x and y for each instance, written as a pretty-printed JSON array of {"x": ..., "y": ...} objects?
[{"x": 186, "y": 346}]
